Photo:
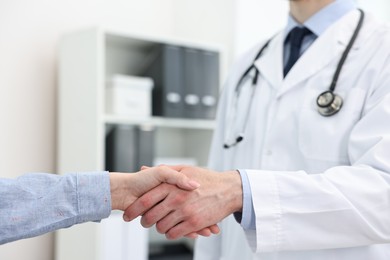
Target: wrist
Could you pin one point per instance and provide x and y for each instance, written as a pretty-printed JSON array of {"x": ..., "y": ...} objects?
[
  {"x": 118, "y": 190},
  {"x": 235, "y": 191}
]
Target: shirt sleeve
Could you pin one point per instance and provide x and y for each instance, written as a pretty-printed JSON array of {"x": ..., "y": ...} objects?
[
  {"x": 39, "y": 203},
  {"x": 247, "y": 217}
]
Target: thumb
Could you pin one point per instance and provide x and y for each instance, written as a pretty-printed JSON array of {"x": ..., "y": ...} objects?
[
  {"x": 171, "y": 176},
  {"x": 143, "y": 167}
]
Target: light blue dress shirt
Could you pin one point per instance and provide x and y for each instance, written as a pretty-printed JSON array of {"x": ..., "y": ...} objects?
[
  {"x": 38, "y": 203},
  {"x": 317, "y": 24}
]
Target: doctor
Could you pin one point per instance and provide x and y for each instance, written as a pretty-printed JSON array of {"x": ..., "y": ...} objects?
[{"x": 321, "y": 188}]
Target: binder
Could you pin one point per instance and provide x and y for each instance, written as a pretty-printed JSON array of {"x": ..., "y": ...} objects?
[
  {"x": 192, "y": 83},
  {"x": 201, "y": 78},
  {"x": 186, "y": 82},
  {"x": 128, "y": 148},
  {"x": 166, "y": 71},
  {"x": 145, "y": 144},
  {"x": 120, "y": 149},
  {"x": 209, "y": 84}
]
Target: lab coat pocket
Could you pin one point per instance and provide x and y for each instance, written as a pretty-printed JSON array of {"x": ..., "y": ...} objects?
[{"x": 326, "y": 138}]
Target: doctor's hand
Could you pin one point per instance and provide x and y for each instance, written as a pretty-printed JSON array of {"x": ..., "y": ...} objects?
[
  {"x": 178, "y": 213},
  {"x": 127, "y": 188}
]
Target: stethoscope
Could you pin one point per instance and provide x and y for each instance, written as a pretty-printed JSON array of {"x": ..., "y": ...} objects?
[{"x": 328, "y": 102}]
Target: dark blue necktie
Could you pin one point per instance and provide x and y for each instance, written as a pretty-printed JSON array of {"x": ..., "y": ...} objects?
[{"x": 295, "y": 38}]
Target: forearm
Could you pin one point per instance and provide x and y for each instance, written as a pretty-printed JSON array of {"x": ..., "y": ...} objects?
[{"x": 35, "y": 204}]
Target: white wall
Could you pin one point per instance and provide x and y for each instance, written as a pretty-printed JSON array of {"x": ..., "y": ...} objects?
[
  {"x": 29, "y": 34},
  {"x": 205, "y": 20},
  {"x": 257, "y": 20}
]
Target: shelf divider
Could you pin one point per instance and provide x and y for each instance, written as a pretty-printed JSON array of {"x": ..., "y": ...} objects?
[{"x": 161, "y": 122}]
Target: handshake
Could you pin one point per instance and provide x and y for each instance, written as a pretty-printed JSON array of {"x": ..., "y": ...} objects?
[{"x": 179, "y": 200}]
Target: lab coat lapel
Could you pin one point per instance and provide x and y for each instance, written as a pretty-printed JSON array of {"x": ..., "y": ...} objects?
[
  {"x": 270, "y": 64},
  {"x": 324, "y": 50}
]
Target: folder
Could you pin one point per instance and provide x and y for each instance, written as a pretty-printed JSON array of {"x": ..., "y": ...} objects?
[
  {"x": 166, "y": 71},
  {"x": 209, "y": 91},
  {"x": 145, "y": 144},
  {"x": 121, "y": 149},
  {"x": 186, "y": 82},
  {"x": 129, "y": 147},
  {"x": 201, "y": 77},
  {"x": 193, "y": 73}
]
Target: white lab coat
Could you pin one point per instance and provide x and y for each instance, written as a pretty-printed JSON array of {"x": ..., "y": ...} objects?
[{"x": 323, "y": 191}]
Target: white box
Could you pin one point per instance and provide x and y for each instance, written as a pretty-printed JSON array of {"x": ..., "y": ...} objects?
[
  {"x": 129, "y": 95},
  {"x": 121, "y": 240}
]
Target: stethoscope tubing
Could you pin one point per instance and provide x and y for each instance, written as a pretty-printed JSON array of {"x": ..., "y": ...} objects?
[{"x": 335, "y": 103}]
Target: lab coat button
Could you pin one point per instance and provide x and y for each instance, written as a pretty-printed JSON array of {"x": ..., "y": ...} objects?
[{"x": 268, "y": 153}]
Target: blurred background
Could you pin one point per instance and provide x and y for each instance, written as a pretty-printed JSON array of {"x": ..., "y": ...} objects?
[{"x": 30, "y": 32}]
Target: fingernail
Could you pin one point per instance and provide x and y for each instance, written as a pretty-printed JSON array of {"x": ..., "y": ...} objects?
[
  {"x": 194, "y": 184},
  {"x": 126, "y": 218}
]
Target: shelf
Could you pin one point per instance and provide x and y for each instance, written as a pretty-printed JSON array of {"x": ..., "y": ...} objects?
[
  {"x": 87, "y": 59},
  {"x": 161, "y": 122},
  {"x": 137, "y": 40}
]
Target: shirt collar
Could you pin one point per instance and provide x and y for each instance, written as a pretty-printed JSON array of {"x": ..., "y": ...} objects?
[{"x": 321, "y": 20}]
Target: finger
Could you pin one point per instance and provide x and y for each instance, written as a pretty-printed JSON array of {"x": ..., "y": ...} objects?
[
  {"x": 183, "y": 228},
  {"x": 214, "y": 229},
  {"x": 168, "y": 222},
  {"x": 158, "y": 212},
  {"x": 153, "y": 216},
  {"x": 171, "y": 176},
  {"x": 192, "y": 235},
  {"x": 143, "y": 167},
  {"x": 206, "y": 232},
  {"x": 145, "y": 202}
]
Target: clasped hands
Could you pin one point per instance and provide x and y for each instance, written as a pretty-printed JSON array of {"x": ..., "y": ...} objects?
[{"x": 179, "y": 200}]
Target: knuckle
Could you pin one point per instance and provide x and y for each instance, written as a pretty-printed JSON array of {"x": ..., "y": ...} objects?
[
  {"x": 193, "y": 222},
  {"x": 187, "y": 211},
  {"x": 145, "y": 202},
  {"x": 178, "y": 199}
]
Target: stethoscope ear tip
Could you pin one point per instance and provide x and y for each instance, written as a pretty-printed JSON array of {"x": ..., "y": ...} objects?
[{"x": 239, "y": 138}]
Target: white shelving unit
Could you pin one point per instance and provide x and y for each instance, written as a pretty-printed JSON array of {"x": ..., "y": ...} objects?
[{"x": 87, "y": 59}]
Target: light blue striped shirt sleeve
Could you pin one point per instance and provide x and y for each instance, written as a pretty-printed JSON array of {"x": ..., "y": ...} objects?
[{"x": 38, "y": 203}]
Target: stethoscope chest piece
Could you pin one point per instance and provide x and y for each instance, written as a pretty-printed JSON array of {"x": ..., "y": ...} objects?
[{"x": 329, "y": 103}]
